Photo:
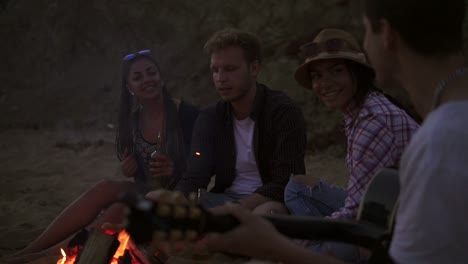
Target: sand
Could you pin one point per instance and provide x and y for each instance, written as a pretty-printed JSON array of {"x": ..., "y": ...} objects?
[{"x": 44, "y": 170}]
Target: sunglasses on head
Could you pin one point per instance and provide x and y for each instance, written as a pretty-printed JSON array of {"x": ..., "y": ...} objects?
[
  {"x": 330, "y": 46},
  {"x": 132, "y": 56}
]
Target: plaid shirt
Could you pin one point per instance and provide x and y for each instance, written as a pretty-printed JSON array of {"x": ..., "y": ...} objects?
[{"x": 377, "y": 134}]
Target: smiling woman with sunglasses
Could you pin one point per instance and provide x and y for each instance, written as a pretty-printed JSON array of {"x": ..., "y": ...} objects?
[
  {"x": 153, "y": 140},
  {"x": 154, "y": 130}
]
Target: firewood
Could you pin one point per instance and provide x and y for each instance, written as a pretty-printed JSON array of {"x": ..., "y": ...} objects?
[{"x": 99, "y": 248}]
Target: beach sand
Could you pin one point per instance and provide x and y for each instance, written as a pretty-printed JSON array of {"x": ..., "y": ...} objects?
[{"x": 42, "y": 171}]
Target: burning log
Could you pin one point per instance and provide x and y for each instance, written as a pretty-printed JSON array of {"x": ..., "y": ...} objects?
[
  {"x": 109, "y": 243},
  {"x": 102, "y": 246},
  {"x": 99, "y": 248}
]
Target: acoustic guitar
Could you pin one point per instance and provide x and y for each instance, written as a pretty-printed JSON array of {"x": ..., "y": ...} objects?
[{"x": 371, "y": 230}]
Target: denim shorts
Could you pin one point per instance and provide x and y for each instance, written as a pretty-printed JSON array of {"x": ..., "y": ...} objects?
[{"x": 320, "y": 200}]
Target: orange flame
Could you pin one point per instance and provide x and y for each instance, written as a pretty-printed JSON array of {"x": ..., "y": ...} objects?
[
  {"x": 123, "y": 239},
  {"x": 65, "y": 259}
]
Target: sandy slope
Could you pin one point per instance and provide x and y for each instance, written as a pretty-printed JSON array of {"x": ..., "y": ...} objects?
[{"x": 43, "y": 170}]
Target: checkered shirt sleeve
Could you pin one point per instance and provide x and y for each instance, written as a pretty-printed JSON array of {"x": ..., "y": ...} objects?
[{"x": 376, "y": 139}]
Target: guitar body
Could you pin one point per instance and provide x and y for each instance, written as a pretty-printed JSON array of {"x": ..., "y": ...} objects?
[{"x": 379, "y": 203}]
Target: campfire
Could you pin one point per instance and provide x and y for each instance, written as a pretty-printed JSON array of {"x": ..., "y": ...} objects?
[{"x": 100, "y": 245}]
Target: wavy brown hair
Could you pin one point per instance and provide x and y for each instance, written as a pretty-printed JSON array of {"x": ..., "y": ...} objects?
[{"x": 231, "y": 37}]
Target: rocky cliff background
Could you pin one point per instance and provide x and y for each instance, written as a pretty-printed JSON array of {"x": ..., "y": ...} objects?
[{"x": 60, "y": 59}]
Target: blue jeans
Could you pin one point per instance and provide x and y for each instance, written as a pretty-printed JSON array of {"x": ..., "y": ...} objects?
[
  {"x": 320, "y": 200},
  {"x": 210, "y": 200}
]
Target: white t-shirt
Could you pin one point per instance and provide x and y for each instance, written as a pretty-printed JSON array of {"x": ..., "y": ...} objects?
[
  {"x": 247, "y": 176},
  {"x": 432, "y": 220}
]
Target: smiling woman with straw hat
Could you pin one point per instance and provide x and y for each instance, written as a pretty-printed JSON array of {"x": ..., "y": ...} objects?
[
  {"x": 377, "y": 130},
  {"x": 334, "y": 45}
]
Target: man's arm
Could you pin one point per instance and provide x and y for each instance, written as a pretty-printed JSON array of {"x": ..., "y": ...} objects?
[
  {"x": 291, "y": 253},
  {"x": 257, "y": 238},
  {"x": 200, "y": 163}
]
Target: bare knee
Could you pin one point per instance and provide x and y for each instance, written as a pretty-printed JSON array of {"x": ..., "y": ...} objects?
[
  {"x": 111, "y": 187},
  {"x": 108, "y": 191},
  {"x": 270, "y": 208},
  {"x": 114, "y": 215}
]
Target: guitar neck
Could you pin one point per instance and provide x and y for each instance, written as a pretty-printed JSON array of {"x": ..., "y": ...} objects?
[
  {"x": 308, "y": 228},
  {"x": 147, "y": 217}
]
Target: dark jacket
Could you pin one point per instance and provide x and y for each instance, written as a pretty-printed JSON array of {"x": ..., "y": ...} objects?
[{"x": 279, "y": 144}]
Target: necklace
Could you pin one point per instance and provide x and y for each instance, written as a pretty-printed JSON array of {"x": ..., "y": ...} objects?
[{"x": 443, "y": 83}]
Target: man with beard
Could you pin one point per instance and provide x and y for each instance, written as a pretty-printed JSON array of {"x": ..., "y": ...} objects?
[{"x": 252, "y": 140}]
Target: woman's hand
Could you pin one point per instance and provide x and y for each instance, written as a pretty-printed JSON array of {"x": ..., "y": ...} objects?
[
  {"x": 161, "y": 165},
  {"x": 129, "y": 164}
]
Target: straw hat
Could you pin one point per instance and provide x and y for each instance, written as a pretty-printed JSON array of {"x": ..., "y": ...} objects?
[{"x": 329, "y": 44}]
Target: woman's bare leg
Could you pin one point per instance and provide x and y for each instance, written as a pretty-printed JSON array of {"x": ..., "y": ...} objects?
[
  {"x": 52, "y": 252},
  {"x": 79, "y": 214},
  {"x": 113, "y": 215}
]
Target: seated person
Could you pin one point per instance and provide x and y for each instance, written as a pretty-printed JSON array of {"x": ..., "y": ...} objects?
[
  {"x": 420, "y": 48},
  {"x": 149, "y": 120},
  {"x": 252, "y": 139},
  {"x": 376, "y": 129}
]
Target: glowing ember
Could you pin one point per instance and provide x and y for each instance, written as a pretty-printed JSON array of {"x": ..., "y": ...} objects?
[{"x": 198, "y": 153}]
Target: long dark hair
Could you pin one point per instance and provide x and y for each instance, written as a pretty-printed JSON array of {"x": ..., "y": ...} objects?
[
  {"x": 365, "y": 83},
  {"x": 172, "y": 143}
]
